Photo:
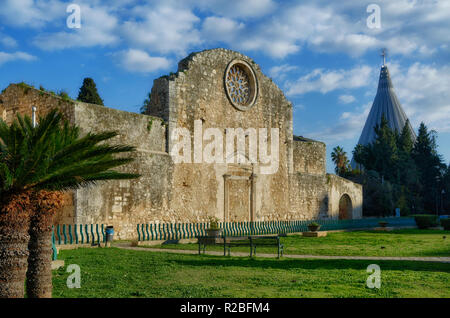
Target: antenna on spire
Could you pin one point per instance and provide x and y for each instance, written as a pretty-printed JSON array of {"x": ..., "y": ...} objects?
[{"x": 383, "y": 54}]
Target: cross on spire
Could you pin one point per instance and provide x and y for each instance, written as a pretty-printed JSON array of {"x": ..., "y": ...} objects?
[{"x": 383, "y": 54}]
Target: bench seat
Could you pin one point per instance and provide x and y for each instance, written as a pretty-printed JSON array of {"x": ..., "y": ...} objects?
[{"x": 239, "y": 241}]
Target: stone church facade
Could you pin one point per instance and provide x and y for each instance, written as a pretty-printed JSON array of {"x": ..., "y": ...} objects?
[{"x": 220, "y": 89}]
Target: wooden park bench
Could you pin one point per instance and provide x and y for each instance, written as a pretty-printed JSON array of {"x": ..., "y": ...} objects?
[
  {"x": 239, "y": 241},
  {"x": 265, "y": 241}
]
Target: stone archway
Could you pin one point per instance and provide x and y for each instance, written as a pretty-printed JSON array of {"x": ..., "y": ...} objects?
[{"x": 345, "y": 207}]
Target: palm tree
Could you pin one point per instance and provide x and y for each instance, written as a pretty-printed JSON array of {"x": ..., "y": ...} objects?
[
  {"x": 358, "y": 155},
  {"x": 37, "y": 163},
  {"x": 39, "y": 272},
  {"x": 14, "y": 222},
  {"x": 339, "y": 157}
]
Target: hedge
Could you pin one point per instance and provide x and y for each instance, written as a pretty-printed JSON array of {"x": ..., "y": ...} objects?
[{"x": 425, "y": 221}]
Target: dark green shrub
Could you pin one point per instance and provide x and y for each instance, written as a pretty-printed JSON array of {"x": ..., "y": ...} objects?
[
  {"x": 446, "y": 224},
  {"x": 88, "y": 92},
  {"x": 64, "y": 95},
  {"x": 313, "y": 226},
  {"x": 425, "y": 221}
]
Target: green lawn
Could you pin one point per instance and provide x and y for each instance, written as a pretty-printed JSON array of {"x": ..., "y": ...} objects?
[
  {"x": 406, "y": 242},
  {"x": 111, "y": 272}
]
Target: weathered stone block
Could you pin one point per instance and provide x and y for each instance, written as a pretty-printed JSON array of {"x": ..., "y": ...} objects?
[{"x": 315, "y": 234}]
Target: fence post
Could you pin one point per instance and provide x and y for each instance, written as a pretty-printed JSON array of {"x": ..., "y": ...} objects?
[
  {"x": 70, "y": 234},
  {"x": 65, "y": 234},
  {"x": 98, "y": 234},
  {"x": 75, "y": 228},
  {"x": 81, "y": 233},
  {"x": 55, "y": 251}
]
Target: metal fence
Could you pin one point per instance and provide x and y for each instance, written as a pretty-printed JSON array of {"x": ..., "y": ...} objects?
[
  {"x": 79, "y": 234},
  {"x": 64, "y": 234},
  {"x": 177, "y": 231}
]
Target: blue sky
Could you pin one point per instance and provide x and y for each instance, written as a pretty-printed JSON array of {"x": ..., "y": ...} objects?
[{"x": 322, "y": 54}]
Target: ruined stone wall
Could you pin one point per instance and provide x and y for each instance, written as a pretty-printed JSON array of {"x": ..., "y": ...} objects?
[
  {"x": 309, "y": 156},
  {"x": 197, "y": 92},
  {"x": 125, "y": 203},
  {"x": 19, "y": 98},
  {"x": 120, "y": 203},
  {"x": 337, "y": 187},
  {"x": 192, "y": 192},
  {"x": 309, "y": 196}
]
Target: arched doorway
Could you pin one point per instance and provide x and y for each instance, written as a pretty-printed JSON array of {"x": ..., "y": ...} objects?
[
  {"x": 239, "y": 192},
  {"x": 345, "y": 207}
]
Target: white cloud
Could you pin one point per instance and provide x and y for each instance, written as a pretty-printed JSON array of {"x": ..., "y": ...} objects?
[
  {"x": 298, "y": 107},
  {"x": 139, "y": 61},
  {"x": 31, "y": 13},
  {"x": 349, "y": 125},
  {"x": 98, "y": 27},
  {"x": 281, "y": 71},
  {"x": 221, "y": 29},
  {"x": 17, "y": 56},
  {"x": 423, "y": 91},
  {"x": 325, "y": 81},
  {"x": 407, "y": 27},
  {"x": 277, "y": 29},
  {"x": 163, "y": 28},
  {"x": 7, "y": 41},
  {"x": 237, "y": 8},
  {"x": 346, "y": 99}
]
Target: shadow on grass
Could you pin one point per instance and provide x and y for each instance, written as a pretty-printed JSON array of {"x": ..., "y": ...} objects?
[
  {"x": 442, "y": 252},
  {"x": 287, "y": 264},
  {"x": 413, "y": 231}
]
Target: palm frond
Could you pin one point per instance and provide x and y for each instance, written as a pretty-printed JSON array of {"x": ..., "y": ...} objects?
[{"x": 53, "y": 156}]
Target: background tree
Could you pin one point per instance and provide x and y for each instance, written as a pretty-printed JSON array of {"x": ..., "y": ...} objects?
[
  {"x": 51, "y": 157},
  {"x": 339, "y": 157},
  {"x": 413, "y": 171},
  {"x": 384, "y": 150},
  {"x": 358, "y": 155},
  {"x": 445, "y": 197},
  {"x": 146, "y": 104},
  {"x": 429, "y": 166},
  {"x": 88, "y": 92}
]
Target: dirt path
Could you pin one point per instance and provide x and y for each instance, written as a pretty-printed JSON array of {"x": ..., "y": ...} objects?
[{"x": 243, "y": 254}]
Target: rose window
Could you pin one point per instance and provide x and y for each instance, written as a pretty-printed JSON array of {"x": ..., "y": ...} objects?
[{"x": 240, "y": 83}]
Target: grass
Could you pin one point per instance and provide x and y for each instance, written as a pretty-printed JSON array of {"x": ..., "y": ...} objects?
[
  {"x": 112, "y": 272},
  {"x": 404, "y": 242}
]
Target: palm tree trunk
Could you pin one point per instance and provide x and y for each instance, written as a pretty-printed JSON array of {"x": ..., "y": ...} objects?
[
  {"x": 14, "y": 237},
  {"x": 39, "y": 274}
]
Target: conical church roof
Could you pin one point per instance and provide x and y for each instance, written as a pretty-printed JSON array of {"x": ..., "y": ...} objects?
[{"x": 387, "y": 103}]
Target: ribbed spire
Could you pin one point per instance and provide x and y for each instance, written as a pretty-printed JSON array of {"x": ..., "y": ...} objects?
[{"x": 387, "y": 103}]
